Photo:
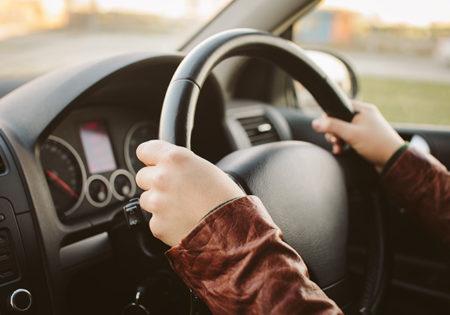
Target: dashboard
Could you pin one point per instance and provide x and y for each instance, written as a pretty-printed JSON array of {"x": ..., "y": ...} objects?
[{"x": 88, "y": 156}]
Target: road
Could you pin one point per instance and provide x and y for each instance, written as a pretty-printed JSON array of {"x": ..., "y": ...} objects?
[{"x": 400, "y": 67}]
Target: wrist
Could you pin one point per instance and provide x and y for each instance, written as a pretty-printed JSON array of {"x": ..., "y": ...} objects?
[{"x": 386, "y": 148}]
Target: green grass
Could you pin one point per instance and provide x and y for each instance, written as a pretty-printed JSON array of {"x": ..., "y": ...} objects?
[{"x": 408, "y": 101}]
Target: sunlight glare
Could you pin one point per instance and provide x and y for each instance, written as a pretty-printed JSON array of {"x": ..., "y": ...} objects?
[
  {"x": 172, "y": 8},
  {"x": 416, "y": 13}
]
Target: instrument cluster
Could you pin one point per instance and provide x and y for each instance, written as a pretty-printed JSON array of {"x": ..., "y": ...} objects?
[{"x": 89, "y": 172}]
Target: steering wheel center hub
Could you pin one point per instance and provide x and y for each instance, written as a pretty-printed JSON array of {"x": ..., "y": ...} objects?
[{"x": 303, "y": 188}]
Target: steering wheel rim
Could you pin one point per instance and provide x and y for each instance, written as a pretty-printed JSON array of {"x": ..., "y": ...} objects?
[{"x": 177, "y": 117}]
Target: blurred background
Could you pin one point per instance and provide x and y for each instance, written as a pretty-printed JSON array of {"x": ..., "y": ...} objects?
[
  {"x": 37, "y": 36},
  {"x": 400, "y": 49}
]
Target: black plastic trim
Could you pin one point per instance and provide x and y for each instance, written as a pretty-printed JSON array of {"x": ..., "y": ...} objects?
[{"x": 179, "y": 104}]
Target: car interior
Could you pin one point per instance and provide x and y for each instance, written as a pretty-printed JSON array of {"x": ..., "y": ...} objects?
[{"x": 68, "y": 162}]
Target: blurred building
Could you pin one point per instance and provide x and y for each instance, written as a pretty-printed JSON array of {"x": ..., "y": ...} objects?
[
  {"x": 331, "y": 26},
  {"x": 349, "y": 30}
]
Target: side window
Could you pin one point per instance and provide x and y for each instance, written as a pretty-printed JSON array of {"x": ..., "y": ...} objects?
[{"x": 402, "y": 60}]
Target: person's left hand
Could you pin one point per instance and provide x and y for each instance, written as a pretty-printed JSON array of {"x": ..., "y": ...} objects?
[{"x": 180, "y": 188}]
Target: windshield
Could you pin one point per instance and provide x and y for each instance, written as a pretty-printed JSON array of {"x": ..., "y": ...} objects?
[{"x": 37, "y": 36}]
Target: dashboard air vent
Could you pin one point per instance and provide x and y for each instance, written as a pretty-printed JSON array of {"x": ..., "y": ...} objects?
[
  {"x": 2, "y": 166},
  {"x": 259, "y": 129}
]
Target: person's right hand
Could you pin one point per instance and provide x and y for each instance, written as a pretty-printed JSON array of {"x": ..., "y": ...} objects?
[
  {"x": 368, "y": 133},
  {"x": 180, "y": 188}
]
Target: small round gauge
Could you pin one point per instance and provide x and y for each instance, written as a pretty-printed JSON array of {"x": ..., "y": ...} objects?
[
  {"x": 98, "y": 192},
  {"x": 122, "y": 184},
  {"x": 65, "y": 174},
  {"x": 139, "y": 133}
]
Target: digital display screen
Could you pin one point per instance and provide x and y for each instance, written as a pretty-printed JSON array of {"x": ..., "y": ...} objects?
[{"x": 97, "y": 147}]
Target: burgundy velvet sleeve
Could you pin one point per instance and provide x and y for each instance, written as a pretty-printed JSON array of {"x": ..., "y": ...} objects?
[
  {"x": 237, "y": 263},
  {"x": 422, "y": 185}
]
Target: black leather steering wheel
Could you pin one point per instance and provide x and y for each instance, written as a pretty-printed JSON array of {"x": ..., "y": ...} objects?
[{"x": 302, "y": 185}]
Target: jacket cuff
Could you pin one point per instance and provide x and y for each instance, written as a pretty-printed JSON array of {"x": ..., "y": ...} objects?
[
  {"x": 410, "y": 175},
  {"x": 201, "y": 234},
  {"x": 394, "y": 158},
  {"x": 219, "y": 206}
]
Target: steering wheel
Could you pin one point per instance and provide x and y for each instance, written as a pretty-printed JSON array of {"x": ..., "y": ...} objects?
[{"x": 302, "y": 185}]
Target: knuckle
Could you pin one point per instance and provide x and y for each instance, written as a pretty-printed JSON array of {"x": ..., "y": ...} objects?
[
  {"x": 161, "y": 178},
  {"x": 368, "y": 107},
  {"x": 371, "y": 107},
  {"x": 176, "y": 156},
  {"x": 327, "y": 124}
]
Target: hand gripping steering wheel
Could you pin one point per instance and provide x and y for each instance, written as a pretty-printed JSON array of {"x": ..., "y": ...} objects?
[{"x": 302, "y": 185}]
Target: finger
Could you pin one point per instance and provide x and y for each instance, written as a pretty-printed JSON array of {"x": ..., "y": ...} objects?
[
  {"x": 154, "y": 177},
  {"x": 151, "y": 152},
  {"x": 336, "y": 142},
  {"x": 144, "y": 177},
  {"x": 155, "y": 227},
  {"x": 149, "y": 201},
  {"x": 337, "y": 148},
  {"x": 339, "y": 128},
  {"x": 331, "y": 138}
]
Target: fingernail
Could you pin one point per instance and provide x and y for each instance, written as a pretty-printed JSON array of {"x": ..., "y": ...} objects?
[{"x": 333, "y": 139}]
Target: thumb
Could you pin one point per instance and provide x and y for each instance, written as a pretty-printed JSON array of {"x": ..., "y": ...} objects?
[{"x": 340, "y": 128}]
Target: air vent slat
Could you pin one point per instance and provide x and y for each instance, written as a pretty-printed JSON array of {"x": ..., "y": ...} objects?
[
  {"x": 265, "y": 137},
  {"x": 2, "y": 166},
  {"x": 259, "y": 129}
]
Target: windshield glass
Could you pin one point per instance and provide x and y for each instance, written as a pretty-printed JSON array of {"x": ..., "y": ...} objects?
[{"x": 37, "y": 36}]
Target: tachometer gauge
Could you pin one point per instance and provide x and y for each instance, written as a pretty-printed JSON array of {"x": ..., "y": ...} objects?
[
  {"x": 139, "y": 133},
  {"x": 65, "y": 174}
]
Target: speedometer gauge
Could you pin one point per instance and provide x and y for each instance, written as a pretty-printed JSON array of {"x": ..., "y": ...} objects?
[
  {"x": 65, "y": 174},
  {"x": 139, "y": 133}
]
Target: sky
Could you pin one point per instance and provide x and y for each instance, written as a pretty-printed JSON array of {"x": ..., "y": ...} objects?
[{"x": 413, "y": 12}]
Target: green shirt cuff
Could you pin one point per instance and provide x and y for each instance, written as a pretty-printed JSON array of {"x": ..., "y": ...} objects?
[
  {"x": 394, "y": 157},
  {"x": 222, "y": 204}
]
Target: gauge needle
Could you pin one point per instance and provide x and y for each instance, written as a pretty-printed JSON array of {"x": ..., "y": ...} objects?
[{"x": 61, "y": 183}]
